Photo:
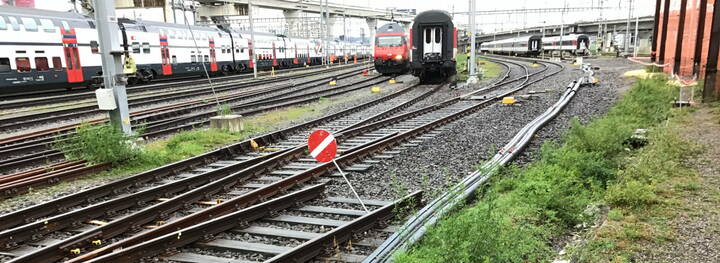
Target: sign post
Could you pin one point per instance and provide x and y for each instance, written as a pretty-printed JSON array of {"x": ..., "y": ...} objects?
[{"x": 323, "y": 148}]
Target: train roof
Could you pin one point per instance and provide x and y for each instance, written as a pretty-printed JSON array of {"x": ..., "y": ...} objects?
[
  {"x": 568, "y": 36},
  {"x": 433, "y": 16},
  {"x": 391, "y": 28},
  {"x": 40, "y": 13}
]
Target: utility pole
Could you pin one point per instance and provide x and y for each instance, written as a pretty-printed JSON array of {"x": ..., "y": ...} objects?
[
  {"x": 472, "y": 71},
  {"x": 637, "y": 24},
  {"x": 112, "y": 65},
  {"x": 322, "y": 31},
  {"x": 562, "y": 27},
  {"x": 252, "y": 39},
  {"x": 327, "y": 31},
  {"x": 627, "y": 28}
]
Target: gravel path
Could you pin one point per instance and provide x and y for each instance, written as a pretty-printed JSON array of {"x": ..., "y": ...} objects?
[
  {"x": 461, "y": 146},
  {"x": 697, "y": 226}
]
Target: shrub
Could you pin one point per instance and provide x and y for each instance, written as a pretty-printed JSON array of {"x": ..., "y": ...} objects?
[{"x": 98, "y": 143}]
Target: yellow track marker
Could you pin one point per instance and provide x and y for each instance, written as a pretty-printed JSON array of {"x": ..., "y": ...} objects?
[{"x": 509, "y": 100}]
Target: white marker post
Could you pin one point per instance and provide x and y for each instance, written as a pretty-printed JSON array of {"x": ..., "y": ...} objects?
[{"x": 323, "y": 148}]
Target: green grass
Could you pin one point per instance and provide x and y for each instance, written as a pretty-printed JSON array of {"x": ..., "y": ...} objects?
[
  {"x": 490, "y": 69},
  {"x": 523, "y": 210}
]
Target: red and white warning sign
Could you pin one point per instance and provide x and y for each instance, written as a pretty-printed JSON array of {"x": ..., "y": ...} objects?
[{"x": 322, "y": 146}]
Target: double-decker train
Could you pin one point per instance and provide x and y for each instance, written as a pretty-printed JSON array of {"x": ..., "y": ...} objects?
[
  {"x": 46, "y": 49},
  {"x": 391, "y": 49},
  {"x": 433, "y": 41},
  {"x": 575, "y": 44}
]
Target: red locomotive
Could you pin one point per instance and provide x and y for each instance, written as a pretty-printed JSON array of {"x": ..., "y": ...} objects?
[{"x": 391, "y": 50}]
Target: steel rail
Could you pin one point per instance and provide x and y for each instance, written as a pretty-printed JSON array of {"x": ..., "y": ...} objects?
[
  {"x": 374, "y": 148},
  {"x": 228, "y": 206},
  {"x": 35, "y": 212},
  {"x": 51, "y": 154},
  {"x": 34, "y": 100},
  {"x": 62, "y": 114},
  {"x": 416, "y": 226}
]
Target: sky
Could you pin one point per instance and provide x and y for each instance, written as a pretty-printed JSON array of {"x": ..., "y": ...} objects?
[{"x": 486, "y": 23}]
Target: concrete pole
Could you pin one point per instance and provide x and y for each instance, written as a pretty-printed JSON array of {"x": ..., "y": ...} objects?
[
  {"x": 112, "y": 65},
  {"x": 322, "y": 31},
  {"x": 252, "y": 38},
  {"x": 562, "y": 27},
  {"x": 472, "y": 71},
  {"x": 637, "y": 23},
  {"x": 327, "y": 30},
  {"x": 626, "y": 47}
]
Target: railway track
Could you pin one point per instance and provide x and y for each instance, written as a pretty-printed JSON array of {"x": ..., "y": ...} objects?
[
  {"x": 225, "y": 89},
  {"x": 32, "y": 148},
  {"x": 290, "y": 232},
  {"x": 357, "y": 144},
  {"x": 229, "y": 164},
  {"x": 26, "y": 99}
]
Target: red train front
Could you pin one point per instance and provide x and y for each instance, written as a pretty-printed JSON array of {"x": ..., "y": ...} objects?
[{"x": 391, "y": 49}]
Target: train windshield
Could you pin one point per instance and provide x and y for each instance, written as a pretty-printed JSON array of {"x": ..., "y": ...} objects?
[{"x": 389, "y": 41}]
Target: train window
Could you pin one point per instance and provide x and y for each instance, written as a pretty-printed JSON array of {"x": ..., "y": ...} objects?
[
  {"x": 57, "y": 63},
  {"x": 174, "y": 59},
  {"x": 438, "y": 31},
  {"x": 23, "y": 64},
  {"x": 30, "y": 24},
  {"x": 41, "y": 64},
  {"x": 4, "y": 64},
  {"x": 146, "y": 47},
  {"x": 136, "y": 47},
  {"x": 65, "y": 25},
  {"x": 207, "y": 59},
  {"x": 14, "y": 23},
  {"x": 47, "y": 25},
  {"x": 94, "y": 47},
  {"x": 428, "y": 35},
  {"x": 3, "y": 25},
  {"x": 193, "y": 59}
]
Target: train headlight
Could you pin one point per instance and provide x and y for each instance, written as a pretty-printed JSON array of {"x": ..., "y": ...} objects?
[{"x": 398, "y": 57}]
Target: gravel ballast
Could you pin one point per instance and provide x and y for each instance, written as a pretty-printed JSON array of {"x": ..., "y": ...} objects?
[{"x": 454, "y": 153}]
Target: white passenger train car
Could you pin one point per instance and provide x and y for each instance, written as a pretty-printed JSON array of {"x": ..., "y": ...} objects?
[{"x": 46, "y": 49}]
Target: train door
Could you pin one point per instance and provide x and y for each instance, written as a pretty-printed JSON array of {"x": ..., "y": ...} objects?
[
  {"x": 213, "y": 58},
  {"x": 274, "y": 55},
  {"x": 165, "y": 53},
  {"x": 295, "y": 60},
  {"x": 432, "y": 44},
  {"x": 72, "y": 57},
  {"x": 308, "y": 53},
  {"x": 534, "y": 44},
  {"x": 583, "y": 42},
  {"x": 250, "y": 53}
]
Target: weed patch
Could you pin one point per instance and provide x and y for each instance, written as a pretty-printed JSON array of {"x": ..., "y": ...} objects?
[
  {"x": 522, "y": 212},
  {"x": 100, "y": 143}
]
